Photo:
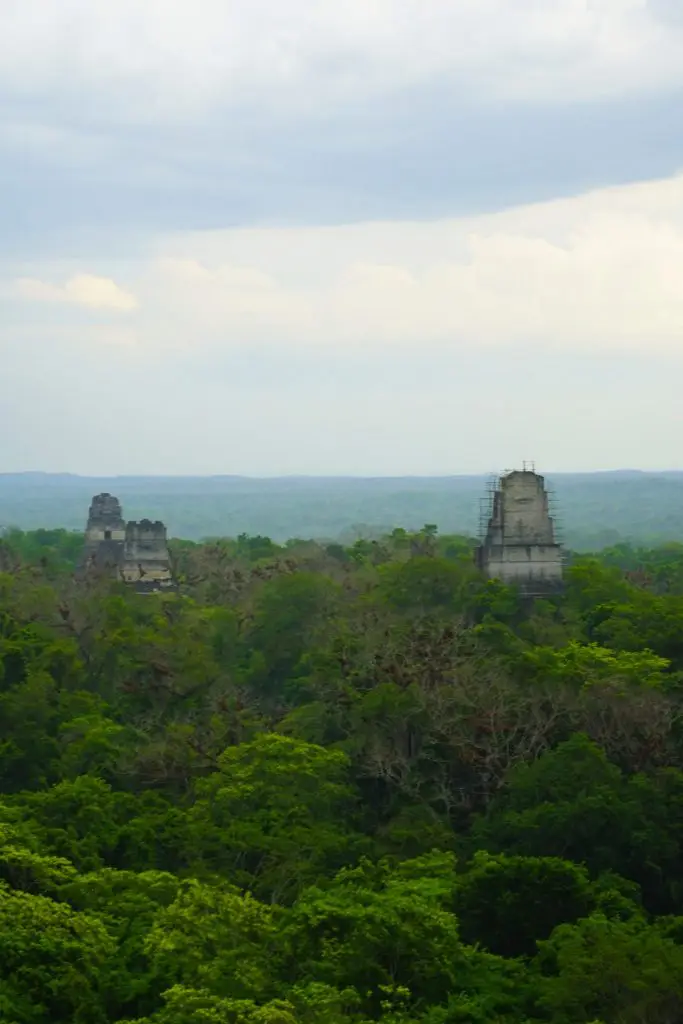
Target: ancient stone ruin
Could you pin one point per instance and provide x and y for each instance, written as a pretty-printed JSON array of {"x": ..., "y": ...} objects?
[
  {"x": 136, "y": 553},
  {"x": 519, "y": 544}
]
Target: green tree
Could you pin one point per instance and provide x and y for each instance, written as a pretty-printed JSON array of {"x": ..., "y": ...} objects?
[
  {"x": 380, "y": 930},
  {"x": 77, "y": 819},
  {"x": 275, "y": 815},
  {"x": 582, "y": 665},
  {"x": 128, "y": 904},
  {"x": 508, "y": 903},
  {"x": 215, "y": 938},
  {"x": 290, "y": 612},
  {"x": 574, "y": 804},
  {"x": 51, "y": 959},
  {"x": 624, "y": 972},
  {"x": 424, "y": 585}
]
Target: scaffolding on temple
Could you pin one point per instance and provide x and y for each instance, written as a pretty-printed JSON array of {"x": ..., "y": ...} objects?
[{"x": 520, "y": 532}]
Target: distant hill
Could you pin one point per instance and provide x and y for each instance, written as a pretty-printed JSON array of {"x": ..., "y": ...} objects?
[{"x": 595, "y": 509}]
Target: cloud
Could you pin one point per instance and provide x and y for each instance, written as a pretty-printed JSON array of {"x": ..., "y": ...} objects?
[
  {"x": 175, "y": 59},
  {"x": 239, "y": 299},
  {"x": 130, "y": 132},
  {"x": 85, "y": 290},
  {"x": 454, "y": 345},
  {"x": 135, "y": 117},
  {"x": 602, "y": 271}
]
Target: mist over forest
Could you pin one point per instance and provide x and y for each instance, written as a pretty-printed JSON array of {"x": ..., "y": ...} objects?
[{"x": 593, "y": 510}]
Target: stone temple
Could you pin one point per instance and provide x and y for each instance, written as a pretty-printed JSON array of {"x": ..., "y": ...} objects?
[
  {"x": 520, "y": 546},
  {"x": 136, "y": 553}
]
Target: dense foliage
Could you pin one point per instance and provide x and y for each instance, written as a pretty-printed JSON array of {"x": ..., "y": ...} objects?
[{"x": 327, "y": 784}]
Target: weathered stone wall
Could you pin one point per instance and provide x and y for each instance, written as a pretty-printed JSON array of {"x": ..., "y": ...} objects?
[
  {"x": 146, "y": 561},
  {"x": 525, "y": 564},
  {"x": 134, "y": 552},
  {"x": 105, "y": 521},
  {"x": 523, "y": 509},
  {"x": 104, "y": 533},
  {"x": 520, "y": 545}
]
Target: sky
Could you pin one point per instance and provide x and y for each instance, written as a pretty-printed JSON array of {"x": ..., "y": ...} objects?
[{"x": 382, "y": 237}]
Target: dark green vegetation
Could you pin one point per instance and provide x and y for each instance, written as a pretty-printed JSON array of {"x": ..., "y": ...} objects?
[
  {"x": 329, "y": 784},
  {"x": 597, "y": 509}
]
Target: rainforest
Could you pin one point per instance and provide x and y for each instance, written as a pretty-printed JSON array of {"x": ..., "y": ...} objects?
[{"x": 329, "y": 783}]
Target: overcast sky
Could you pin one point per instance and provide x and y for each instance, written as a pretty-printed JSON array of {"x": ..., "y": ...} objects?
[{"x": 369, "y": 237}]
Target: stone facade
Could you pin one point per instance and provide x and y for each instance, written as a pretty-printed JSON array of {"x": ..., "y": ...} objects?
[
  {"x": 136, "y": 553},
  {"x": 520, "y": 546},
  {"x": 146, "y": 559}
]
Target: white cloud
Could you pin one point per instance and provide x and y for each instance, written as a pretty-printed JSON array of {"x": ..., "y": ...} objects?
[
  {"x": 600, "y": 271},
  {"x": 235, "y": 298},
  {"x": 178, "y": 57},
  {"x": 448, "y": 346},
  {"x": 80, "y": 290},
  {"x": 603, "y": 271}
]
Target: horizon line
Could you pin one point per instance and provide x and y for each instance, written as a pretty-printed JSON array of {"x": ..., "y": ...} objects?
[{"x": 332, "y": 476}]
